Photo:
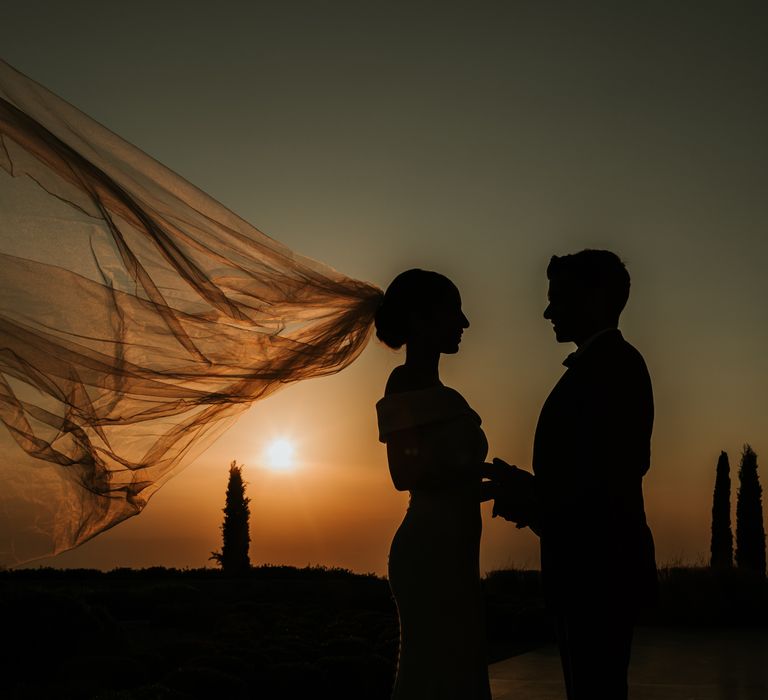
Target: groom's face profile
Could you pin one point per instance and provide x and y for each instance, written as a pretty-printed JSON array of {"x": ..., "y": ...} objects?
[{"x": 575, "y": 311}]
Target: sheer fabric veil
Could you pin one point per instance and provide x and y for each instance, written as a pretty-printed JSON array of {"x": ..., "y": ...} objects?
[{"x": 138, "y": 319}]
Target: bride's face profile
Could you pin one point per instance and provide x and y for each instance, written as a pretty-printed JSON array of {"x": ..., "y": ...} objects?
[
  {"x": 442, "y": 325},
  {"x": 422, "y": 310}
]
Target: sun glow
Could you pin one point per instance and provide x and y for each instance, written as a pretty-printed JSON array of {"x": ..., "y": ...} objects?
[{"x": 279, "y": 455}]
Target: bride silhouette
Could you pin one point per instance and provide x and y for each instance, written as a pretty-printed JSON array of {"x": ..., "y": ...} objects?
[{"x": 436, "y": 450}]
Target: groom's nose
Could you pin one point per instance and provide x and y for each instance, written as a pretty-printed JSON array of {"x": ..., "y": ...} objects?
[
  {"x": 464, "y": 321},
  {"x": 548, "y": 312}
]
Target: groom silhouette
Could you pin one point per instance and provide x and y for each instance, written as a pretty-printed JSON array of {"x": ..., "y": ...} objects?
[{"x": 591, "y": 451}]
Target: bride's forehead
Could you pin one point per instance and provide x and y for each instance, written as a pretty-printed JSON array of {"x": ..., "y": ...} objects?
[{"x": 451, "y": 295}]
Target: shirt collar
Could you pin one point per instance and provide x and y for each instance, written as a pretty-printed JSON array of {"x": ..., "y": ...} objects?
[{"x": 577, "y": 354}]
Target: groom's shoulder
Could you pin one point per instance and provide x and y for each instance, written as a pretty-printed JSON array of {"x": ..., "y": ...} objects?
[
  {"x": 614, "y": 343},
  {"x": 627, "y": 360},
  {"x": 614, "y": 351},
  {"x": 630, "y": 352}
]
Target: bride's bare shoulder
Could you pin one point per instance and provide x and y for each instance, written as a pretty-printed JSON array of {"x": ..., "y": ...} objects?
[
  {"x": 400, "y": 380},
  {"x": 404, "y": 378}
]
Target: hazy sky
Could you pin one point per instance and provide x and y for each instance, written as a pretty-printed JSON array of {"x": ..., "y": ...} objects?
[{"x": 478, "y": 142}]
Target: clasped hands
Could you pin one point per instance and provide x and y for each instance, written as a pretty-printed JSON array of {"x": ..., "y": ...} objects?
[{"x": 512, "y": 490}]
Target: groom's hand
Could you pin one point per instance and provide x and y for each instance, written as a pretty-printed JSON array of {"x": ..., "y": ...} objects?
[
  {"x": 487, "y": 491},
  {"x": 514, "y": 494},
  {"x": 505, "y": 505},
  {"x": 495, "y": 478}
]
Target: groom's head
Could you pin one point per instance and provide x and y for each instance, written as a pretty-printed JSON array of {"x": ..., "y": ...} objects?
[{"x": 587, "y": 293}]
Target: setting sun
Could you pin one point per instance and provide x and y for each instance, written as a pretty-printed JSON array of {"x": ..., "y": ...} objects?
[{"x": 279, "y": 455}]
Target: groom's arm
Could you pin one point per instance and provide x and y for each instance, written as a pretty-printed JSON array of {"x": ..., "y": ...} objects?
[
  {"x": 620, "y": 413},
  {"x": 615, "y": 450}
]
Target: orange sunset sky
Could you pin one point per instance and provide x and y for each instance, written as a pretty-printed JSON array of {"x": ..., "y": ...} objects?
[{"x": 478, "y": 143}]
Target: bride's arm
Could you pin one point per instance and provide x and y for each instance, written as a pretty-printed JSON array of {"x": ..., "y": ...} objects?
[{"x": 406, "y": 467}]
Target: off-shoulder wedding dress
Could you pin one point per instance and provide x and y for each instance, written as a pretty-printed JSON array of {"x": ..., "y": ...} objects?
[{"x": 434, "y": 558}]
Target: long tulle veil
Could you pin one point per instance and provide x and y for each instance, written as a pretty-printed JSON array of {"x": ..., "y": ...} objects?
[{"x": 138, "y": 319}]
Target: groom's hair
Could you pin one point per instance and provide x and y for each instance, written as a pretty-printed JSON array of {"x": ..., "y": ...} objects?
[{"x": 595, "y": 270}]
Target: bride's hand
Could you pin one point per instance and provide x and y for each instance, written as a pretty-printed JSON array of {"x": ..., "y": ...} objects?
[
  {"x": 500, "y": 471},
  {"x": 496, "y": 470}
]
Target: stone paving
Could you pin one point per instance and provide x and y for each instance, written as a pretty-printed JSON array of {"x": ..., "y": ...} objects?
[{"x": 667, "y": 664}]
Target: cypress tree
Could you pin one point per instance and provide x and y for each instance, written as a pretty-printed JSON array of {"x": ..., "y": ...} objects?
[
  {"x": 233, "y": 557},
  {"x": 722, "y": 537},
  {"x": 750, "y": 532}
]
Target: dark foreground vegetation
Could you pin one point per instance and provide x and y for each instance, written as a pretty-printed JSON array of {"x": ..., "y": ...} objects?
[{"x": 280, "y": 632}]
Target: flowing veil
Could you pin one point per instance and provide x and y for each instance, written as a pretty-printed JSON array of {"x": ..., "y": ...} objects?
[{"x": 138, "y": 318}]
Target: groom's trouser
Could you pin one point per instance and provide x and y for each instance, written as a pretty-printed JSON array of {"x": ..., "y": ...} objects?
[{"x": 595, "y": 645}]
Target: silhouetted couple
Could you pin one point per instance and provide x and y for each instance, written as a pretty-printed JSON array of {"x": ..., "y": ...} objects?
[{"x": 584, "y": 499}]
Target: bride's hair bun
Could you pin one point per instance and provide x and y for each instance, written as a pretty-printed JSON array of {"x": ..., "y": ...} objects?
[{"x": 412, "y": 290}]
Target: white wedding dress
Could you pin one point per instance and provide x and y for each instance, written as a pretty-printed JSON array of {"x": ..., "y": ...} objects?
[{"x": 434, "y": 559}]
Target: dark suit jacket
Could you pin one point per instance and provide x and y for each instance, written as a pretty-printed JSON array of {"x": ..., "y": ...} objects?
[{"x": 591, "y": 450}]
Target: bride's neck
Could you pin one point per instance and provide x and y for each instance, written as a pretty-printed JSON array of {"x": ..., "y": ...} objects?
[{"x": 423, "y": 362}]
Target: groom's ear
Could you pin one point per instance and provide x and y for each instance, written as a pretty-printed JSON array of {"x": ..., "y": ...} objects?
[{"x": 601, "y": 306}]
